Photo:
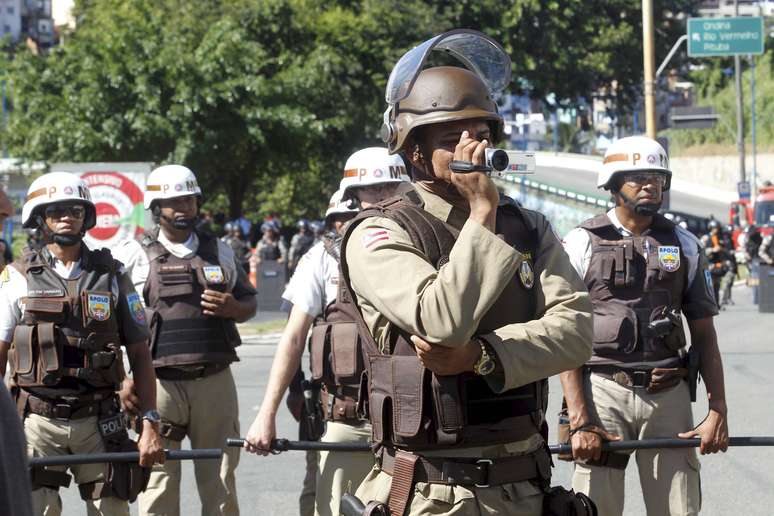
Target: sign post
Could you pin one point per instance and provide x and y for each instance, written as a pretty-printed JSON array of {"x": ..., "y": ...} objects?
[{"x": 709, "y": 37}]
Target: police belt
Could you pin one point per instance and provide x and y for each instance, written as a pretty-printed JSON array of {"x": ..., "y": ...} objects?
[
  {"x": 78, "y": 407},
  {"x": 189, "y": 373},
  {"x": 343, "y": 410},
  {"x": 477, "y": 472},
  {"x": 639, "y": 378}
]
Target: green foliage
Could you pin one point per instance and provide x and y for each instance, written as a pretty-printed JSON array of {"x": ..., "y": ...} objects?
[
  {"x": 265, "y": 99},
  {"x": 717, "y": 90}
]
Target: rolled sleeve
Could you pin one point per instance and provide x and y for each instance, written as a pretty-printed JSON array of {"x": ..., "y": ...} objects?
[
  {"x": 13, "y": 287},
  {"x": 442, "y": 306},
  {"x": 560, "y": 337},
  {"x": 305, "y": 289}
]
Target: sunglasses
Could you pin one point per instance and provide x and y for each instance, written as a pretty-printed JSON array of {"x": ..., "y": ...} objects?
[
  {"x": 57, "y": 212},
  {"x": 644, "y": 178}
]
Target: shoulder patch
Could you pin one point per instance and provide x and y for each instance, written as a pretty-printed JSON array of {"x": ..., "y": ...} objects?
[
  {"x": 374, "y": 236},
  {"x": 136, "y": 309}
]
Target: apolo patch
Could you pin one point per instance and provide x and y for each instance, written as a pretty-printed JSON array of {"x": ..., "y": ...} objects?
[
  {"x": 136, "y": 309},
  {"x": 98, "y": 306},
  {"x": 213, "y": 274},
  {"x": 669, "y": 257}
]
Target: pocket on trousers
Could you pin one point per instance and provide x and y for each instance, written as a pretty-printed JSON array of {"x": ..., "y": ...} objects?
[{"x": 440, "y": 498}]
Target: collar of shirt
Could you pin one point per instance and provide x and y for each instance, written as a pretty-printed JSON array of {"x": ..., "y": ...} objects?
[
  {"x": 617, "y": 223},
  {"x": 181, "y": 250},
  {"x": 438, "y": 207}
]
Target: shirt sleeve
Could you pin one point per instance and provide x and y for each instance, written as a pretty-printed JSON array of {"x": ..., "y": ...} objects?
[
  {"x": 13, "y": 286},
  {"x": 242, "y": 287},
  {"x": 131, "y": 254},
  {"x": 560, "y": 336},
  {"x": 442, "y": 306},
  {"x": 132, "y": 323},
  {"x": 305, "y": 289},
  {"x": 699, "y": 298},
  {"x": 577, "y": 245}
]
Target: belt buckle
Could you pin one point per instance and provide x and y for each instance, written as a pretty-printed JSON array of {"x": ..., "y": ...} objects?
[
  {"x": 483, "y": 465},
  {"x": 639, "y": 379},
  {"x": 60, "y": 409}
]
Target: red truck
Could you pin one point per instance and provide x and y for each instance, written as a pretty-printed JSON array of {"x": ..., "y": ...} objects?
[{"x": 743, "y": 212}]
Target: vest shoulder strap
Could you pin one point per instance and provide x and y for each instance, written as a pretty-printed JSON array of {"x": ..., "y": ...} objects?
[
  {"x": 208, "y": 247},
  {"x": 331, "y": 247},
  {"x": 149, "y": 241}
]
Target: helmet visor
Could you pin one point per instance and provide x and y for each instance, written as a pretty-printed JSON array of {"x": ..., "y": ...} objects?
[{"x": 478, "y": 52}]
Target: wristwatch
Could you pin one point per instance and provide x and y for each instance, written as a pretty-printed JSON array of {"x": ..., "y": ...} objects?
[
  {"x": 485, "y": 364},
  {"x": 152, "y": 416}
]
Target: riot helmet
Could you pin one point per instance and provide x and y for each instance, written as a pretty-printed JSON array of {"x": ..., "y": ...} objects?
[{"x": 57, "y": 188}]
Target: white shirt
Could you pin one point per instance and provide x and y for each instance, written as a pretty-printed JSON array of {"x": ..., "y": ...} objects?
[
  {"x": 315, "y": 283},
  {"x": 132, "y": 255},
  {"x": 13, "y": 289},
  {"x": 577, "y": 245}
]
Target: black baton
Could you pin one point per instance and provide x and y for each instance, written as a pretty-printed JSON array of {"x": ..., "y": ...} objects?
[
  {"x": 642, "y": 444},
  {"x": 97, "y": 458},
  {"x": 351, "y": 506}
]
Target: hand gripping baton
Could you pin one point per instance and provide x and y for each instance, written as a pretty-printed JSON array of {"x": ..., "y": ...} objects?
[
  {"x": 281, "y": 445},
  {"x": 97, "y": 458}
]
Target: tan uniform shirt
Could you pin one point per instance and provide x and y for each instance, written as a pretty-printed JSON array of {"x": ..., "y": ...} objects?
[{"x": 396, "y": 285}]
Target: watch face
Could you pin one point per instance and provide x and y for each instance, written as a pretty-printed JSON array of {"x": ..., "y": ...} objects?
[
  {"x": 152, "y": 416},
  {"x": 487, "y": 367}
]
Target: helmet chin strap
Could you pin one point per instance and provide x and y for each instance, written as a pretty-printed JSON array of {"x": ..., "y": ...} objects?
[
  {"x": 647, "y": 210},
  {"x": 61, "y": 239},
  {"x": 181, "y": 224}
]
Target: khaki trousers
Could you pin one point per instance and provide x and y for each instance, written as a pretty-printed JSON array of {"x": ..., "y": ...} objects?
[
  {"x": 306, "y": 498},
  {"x": 669, "y": 478},
  {"x": 341, "y": 472},
  {"x": 208, "y": 408},
  {"x": 47, "y": 437}
]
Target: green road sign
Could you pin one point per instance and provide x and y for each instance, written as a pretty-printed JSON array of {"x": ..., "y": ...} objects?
[{"x": 725, "y": 36}]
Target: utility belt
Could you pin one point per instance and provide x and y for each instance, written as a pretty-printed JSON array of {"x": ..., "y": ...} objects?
[
  {"x": 65, "y": 408},
  {"x": 652, "y": 380},
  {"x": 189, "y": 373},
  {"x": 406, "y": 469}
]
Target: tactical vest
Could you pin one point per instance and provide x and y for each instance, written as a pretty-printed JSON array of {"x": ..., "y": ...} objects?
[
  {"x": 634, "y": 284},
  {"x": 412, "y": 408},
  {"x": 336, "y": 354},
  {"x": 180, "y": 333},
  {"x": 67, "y": 342}
]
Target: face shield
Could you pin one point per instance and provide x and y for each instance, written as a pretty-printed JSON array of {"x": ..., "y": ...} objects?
[{"x": 477, "y": 51}]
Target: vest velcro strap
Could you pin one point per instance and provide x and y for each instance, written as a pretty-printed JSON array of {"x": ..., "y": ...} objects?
[
  {"x": 52, "y": 479},
  {"x": 403, "y": 468},
  {"x": 479, "y": 472},
  {"x": 190, "y": 336},
  {"x": 48, "y": 347}
]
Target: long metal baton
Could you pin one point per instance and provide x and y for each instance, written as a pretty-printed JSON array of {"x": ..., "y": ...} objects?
[
  {"x": 97, "y": 458},
  {"x": 281, "y": 445}
]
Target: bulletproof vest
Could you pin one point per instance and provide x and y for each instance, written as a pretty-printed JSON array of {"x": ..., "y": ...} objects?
[
  {"x": 67, "y": 341},
  {"x": 336, "y": 355},
  {"x": 269, "y": 251},
  {"x": 180, "y": 333},
  {"x": 636, "y": 286},
  {"x": 409, "y": 406}
]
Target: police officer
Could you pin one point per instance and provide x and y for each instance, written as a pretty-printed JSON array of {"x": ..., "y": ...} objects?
[
  {"x": 196, "y": 290},
  {"x": 642, "y": 272},
  {"x": 270, "y": 247},
  {"x": 65, "y": 312},
  {"x": 313, "y": 290},
  {"x": 469, "y": 301},
  {"x": 766, "y": 249},
  {"x": 716, "y": 247},
  {"x": 301, "y": 242}
]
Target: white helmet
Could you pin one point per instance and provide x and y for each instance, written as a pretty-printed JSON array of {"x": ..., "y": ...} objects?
[
  {"x": 337, "y": 206},
  {"x": 168, "y": 182},
  {"x": 634, "y": 154},
  {"x": 56, "y": 187},
  {"x": 371, "y": 166}
]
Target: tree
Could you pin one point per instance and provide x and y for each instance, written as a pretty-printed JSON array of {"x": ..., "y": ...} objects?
[{"x": 265, "y": 99}]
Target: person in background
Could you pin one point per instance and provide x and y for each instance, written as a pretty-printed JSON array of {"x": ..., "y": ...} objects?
[
  {"x": 6, "y": 254},
  {"x": 301, "y": 242},
  {"x": 271, "y": 247}
]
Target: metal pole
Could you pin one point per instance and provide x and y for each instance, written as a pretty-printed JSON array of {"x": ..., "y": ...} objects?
[
  {"x": 98, "y": 458},
  {"x": 739, "y": 107},
  {"x": 671, "y": 54},
  {"x": 3, "y": 116},
  {"x": 280, "y": 445},
  {"x": 649, "y": 67},
  {"x": 754, "y": 173}
]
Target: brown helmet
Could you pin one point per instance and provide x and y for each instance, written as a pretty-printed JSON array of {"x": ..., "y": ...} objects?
[{"x": 444, "y": 94}]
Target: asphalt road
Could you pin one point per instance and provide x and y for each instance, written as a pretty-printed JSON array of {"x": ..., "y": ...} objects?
[
  {"x": 584, "y": 181},
  {"x": 739, "y": 482}
]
